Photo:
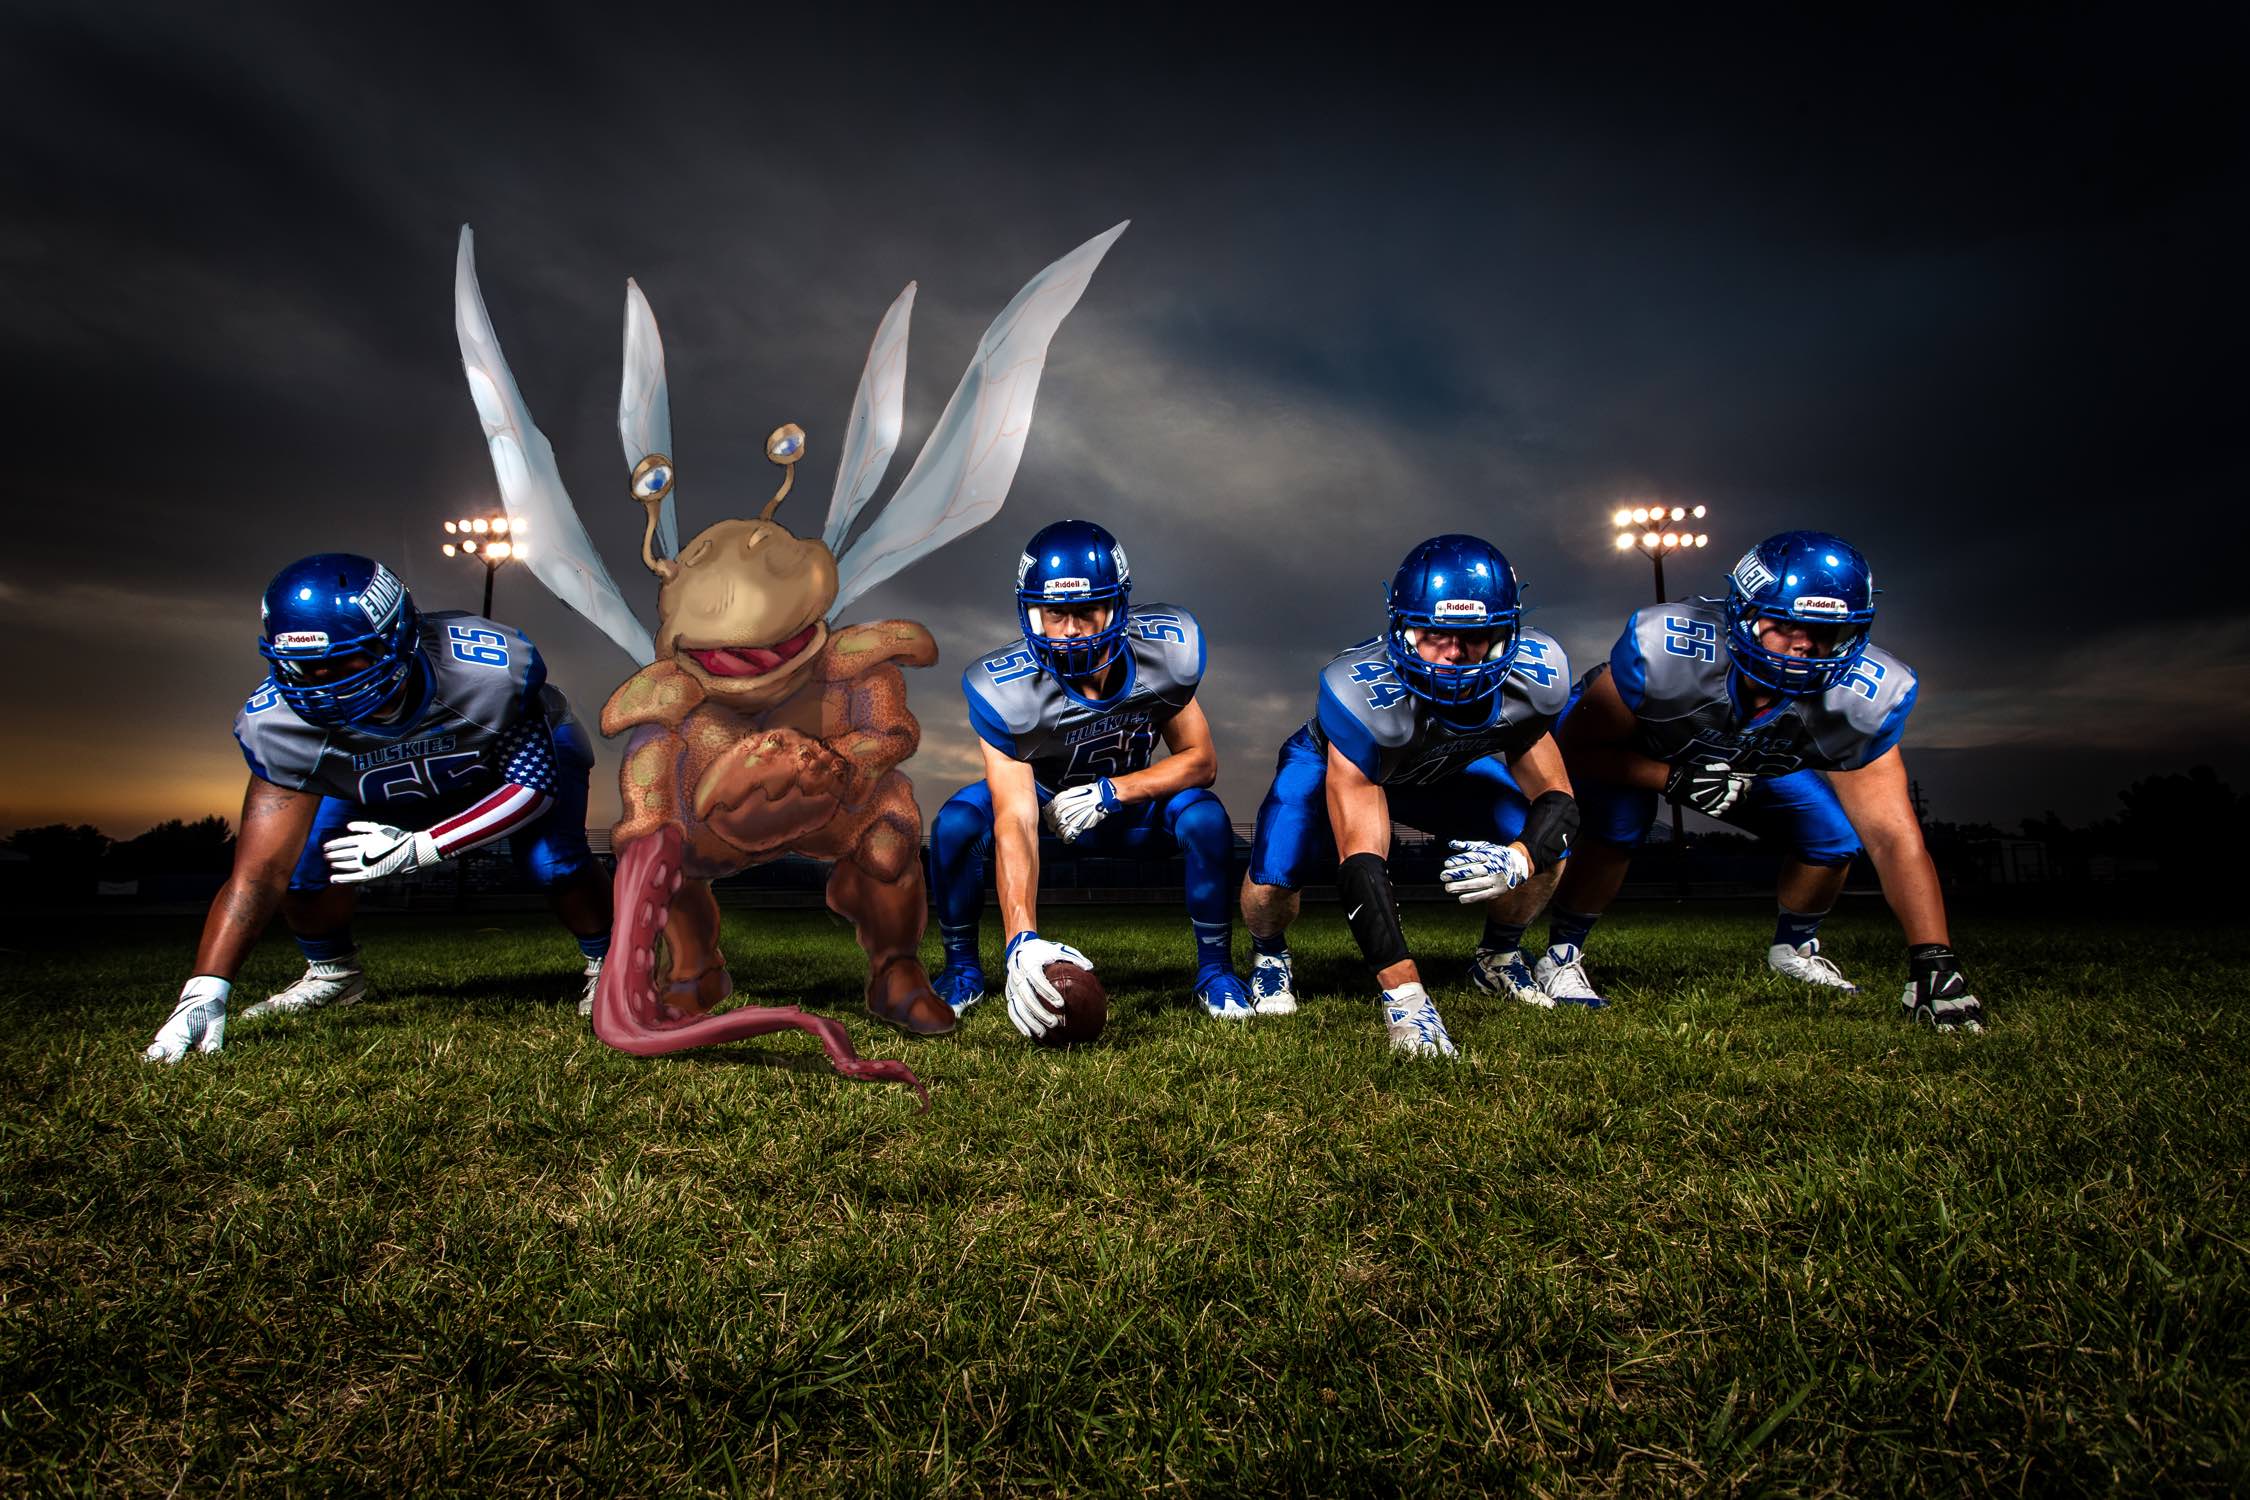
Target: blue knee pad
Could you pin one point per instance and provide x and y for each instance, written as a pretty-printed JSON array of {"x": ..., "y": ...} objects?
[
  {"x": 1616, "y": 815},
  {"x": 1293, "y": 843},
  {"x": 1800, "y": 813},
  {"x": 1197, "y": 822},
  {"x": 960, "y": 845}
]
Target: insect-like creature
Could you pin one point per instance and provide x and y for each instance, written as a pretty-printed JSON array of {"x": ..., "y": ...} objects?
[{"x": 757, "y": 727}]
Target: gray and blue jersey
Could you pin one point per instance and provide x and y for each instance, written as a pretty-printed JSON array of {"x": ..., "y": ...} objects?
[
  {"x": 1673, "y": 670},
  {"x": 1027, "y": 713},
  {"x": 486, "y": 715},
  {"x": 1397, "y": 738}
]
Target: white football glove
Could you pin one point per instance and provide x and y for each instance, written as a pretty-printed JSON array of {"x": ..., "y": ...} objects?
[
  {"x": 1710, "y": 788},
  {"x": 372, "y": 850},
  {"x": 1070, "y": 814},
  {"x": 1481, "y": 871},
  {"x": 198, "y": 1020},
  {"x": 1034, "y": 1004}
]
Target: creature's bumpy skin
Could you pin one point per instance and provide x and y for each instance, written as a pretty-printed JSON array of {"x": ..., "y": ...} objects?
[{"x": 715, "y": 789}]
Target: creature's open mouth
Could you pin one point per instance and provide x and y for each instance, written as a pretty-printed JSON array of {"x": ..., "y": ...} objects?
[{"x": 750, "y": 661}]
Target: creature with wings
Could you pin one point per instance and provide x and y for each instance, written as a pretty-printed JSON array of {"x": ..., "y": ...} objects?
[{"x": 757, "y": 727}]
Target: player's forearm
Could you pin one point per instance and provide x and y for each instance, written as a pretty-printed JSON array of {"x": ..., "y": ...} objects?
[
  {"x": 1175, "y": 773},
  {"x": 509, "y": 808},
  {"x": 1910, "y": 885},
  {"x": 238, "y": 915},
  {"x": 1361, "y": 818},
  {"x": 1016, "y": 858}
]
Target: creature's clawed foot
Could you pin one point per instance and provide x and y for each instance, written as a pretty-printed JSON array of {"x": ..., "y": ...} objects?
[{"x": 900, "y": 995}]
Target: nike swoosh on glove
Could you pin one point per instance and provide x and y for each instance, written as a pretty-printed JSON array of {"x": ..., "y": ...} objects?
[
  {"x": 1073, "y": 813},
  {"x": 1710, "y": 788},
  {"x": 198, "y": 1020},
  {"x": 1034, "y": 1004},
  {"x": 1480, "y": 871},
  {"x": 371, "y": 851}
]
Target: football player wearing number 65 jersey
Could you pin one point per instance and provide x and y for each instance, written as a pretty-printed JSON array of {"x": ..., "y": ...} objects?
[
  {"x": 385, "y": 740},
  {"x": 1769, "y": 710},
  {"x": 1069, "y": 716}
]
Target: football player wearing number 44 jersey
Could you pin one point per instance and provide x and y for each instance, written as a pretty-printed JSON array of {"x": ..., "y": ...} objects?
[
  {"x": 1069, "y": 716},
  {"x": 1441, "y": 722},
  {"x": 385, "y": 740},
  {"x": 1769, "y": 710}
]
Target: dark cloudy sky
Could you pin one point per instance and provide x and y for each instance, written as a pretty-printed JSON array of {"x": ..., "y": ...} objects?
[{"x": 1969, "y": 293}]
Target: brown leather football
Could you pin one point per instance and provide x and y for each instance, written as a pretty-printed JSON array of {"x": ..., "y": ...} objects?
[{"x": 1085, "y": 1006}]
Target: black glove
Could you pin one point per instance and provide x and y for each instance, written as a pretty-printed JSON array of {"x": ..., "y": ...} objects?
[
  {"x": 1937, "y": 994},
  {"x": 1710, "y": 788}
]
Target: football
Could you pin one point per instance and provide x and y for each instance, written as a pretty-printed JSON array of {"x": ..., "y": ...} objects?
[{"x": 1085, "y": 1006}]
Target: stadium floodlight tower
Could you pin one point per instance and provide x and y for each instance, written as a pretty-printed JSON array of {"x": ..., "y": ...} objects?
[
  {"x": 486, "y": 539},
  {"x": 1655, "y": 529}
]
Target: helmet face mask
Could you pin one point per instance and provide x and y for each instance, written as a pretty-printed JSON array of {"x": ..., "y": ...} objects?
[
  {"x": 1810, "y": 580},
  {"x": 1073, "y": 565},
  {"x": 1459, "y": 585},
  {"x": 339, "y": 637}
]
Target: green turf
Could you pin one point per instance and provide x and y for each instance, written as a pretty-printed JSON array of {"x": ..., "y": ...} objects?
[{"x": 1729, "y": 1235}]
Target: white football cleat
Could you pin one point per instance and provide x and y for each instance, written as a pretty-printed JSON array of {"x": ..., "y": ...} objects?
[
  {"x": 1272, "y": 989},
  {"x": 1561, "y": 974},
  {"x": 1413, "y": 1024},
  {"x": 593, "y": 975},
  {"x": 1806, "y": 962},
  {"x": 326, "y": 981},
  {"x": 1503, "y": 972}
]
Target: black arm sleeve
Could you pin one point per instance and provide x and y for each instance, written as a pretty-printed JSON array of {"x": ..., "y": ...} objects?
[{"x": 1364, "y": 882}]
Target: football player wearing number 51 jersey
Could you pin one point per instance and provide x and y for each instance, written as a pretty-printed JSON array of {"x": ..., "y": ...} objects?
[
  {"x": 1068, "y": 717},
  {"x": 1768, "y": 710},
  {"x": 385, "y": 740}
]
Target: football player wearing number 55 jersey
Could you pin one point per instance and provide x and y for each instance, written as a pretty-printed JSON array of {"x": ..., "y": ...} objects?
[
  {"x": 1768, "y": 710},
  {"x": 1069, "y": 716},
  {"x": 385, "y": 740}
]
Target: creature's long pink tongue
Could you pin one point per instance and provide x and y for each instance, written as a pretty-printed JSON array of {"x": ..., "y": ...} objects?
[{"x": 751, "y": 661}]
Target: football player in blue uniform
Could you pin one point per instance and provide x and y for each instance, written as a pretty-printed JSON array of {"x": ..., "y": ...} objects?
[
  {"x": 385, "y": 740},
  {"x": 1068, "y": 717},
  {"x": 1442, "y": 722},
  {"x": 1771, "y": 711}
]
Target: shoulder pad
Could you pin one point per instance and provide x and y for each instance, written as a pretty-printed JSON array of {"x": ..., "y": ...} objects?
[
  {"x": 278, "y": 746},
  {"x": 663, "y": 693},
  {"x": 1361, "y": 683},
  {"x": 1876, "y": 698},
  {"x": 1009, "y": 687},
  {"x": 1170, "y": 637},
  {"x": 1542, "y": 672},
  {"x": 854, "y": 649}
]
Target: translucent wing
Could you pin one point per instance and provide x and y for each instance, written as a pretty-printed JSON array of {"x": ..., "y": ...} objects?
[
  {"x": 557, "y": 551},
  {"x": 963, "y": 473},
  {"x": 878, "y": 413},
  {"x": 644, "y": 407}
]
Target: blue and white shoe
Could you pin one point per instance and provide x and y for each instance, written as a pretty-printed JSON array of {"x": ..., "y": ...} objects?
[
  {"x": 1805, "y": 961},
  {"x": 1272, "y": 991},
  {"x": 1503, "y": 972},
  {"x": 1561, "y": 974},
  {"x": 959, "y": 986},
  {"x": 1225, "y": 998},
  {"x": 1414, "y": 1026}
]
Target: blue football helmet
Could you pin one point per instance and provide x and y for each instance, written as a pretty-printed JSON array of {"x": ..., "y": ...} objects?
[
  {"x": 1454, "y": 582},
  {"x": 339, "y": 637},
  {"x": 1810, "y": 577},
  {"x": 1076, "y": 563}
]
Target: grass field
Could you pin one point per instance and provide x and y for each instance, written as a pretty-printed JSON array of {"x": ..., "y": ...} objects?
[{"x": 1728, "y": 1235}]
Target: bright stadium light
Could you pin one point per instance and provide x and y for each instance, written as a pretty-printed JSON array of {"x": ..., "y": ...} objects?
[
  {"x": 1621, "y": 518},
  {"x": 1640, "y": 515},
  {"x": 1699, "y": 511},
  {"x": 1702, "y": 538},
  {"x": 1624, "y": 541},
  {"x": 1671, "y": 540},
  {"x": 494, "y": 550}
]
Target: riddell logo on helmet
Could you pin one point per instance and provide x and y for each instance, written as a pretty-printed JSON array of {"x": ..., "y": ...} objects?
[
  {"x": 1819, "y": 604},
  {"x": 301, "y": 640},
  {"x": 1458, "y": 609},
  {"x": 1056, "y": 588}
]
